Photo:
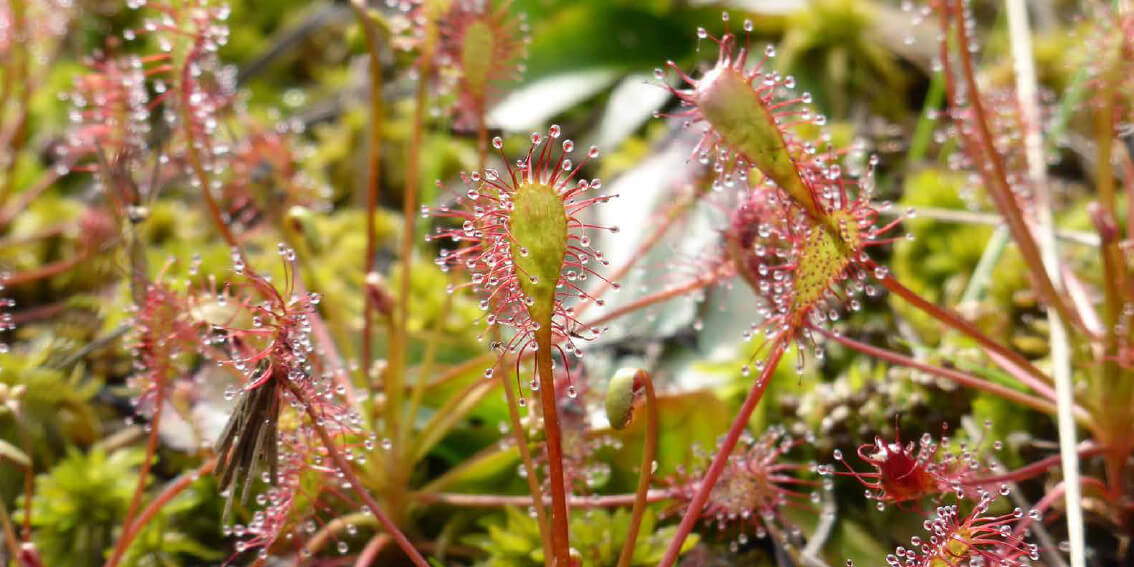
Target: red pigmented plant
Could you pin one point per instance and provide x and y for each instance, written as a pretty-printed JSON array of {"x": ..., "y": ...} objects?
[
  {"x": 758, "y": 484},
  {"x": 528, "y": 253},
  {"x": 975, "y": 538},
  {"x": 909, "y": 472}
]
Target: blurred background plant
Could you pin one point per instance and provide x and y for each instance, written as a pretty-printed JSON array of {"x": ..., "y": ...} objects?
[{"x": 157, "y": 157}]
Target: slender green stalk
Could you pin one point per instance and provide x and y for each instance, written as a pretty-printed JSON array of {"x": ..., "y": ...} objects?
[
  {"x": 1027, "y": 93},
  {"x": 399, "y": 344},
  {"x": 429, "y": 359},
  {"x": 923, "y": 133},
  {"x": 649, "y": 453}
]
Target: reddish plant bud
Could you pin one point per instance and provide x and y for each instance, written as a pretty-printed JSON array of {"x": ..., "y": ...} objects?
[{"x": 380, "y": 294}]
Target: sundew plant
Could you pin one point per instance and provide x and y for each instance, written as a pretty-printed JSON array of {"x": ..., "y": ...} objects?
[{"x": 588, "y": 283}]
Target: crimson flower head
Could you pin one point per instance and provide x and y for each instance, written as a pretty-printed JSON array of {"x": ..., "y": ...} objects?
[
  {"x": 525, "y": 243},
  {"x": 905, "y": 473}
]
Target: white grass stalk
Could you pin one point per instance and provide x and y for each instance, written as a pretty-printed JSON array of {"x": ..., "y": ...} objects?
[{"x": 1021, "y": 37}]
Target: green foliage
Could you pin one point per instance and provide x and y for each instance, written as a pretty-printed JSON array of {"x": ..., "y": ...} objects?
[
  {"x": 597, "y": 534},
  {"x": 178, "y": 536},
  {"x": 56, "y": 409},
  {"x": 80, "y": 504},
  {"x": 938, "y": 261}
]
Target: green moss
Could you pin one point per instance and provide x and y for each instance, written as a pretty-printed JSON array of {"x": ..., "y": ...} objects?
[{"x": 598, "y": 535}]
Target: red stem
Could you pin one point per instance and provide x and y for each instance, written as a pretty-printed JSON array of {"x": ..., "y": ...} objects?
[
  {"x": 560, "y": 538},
  {"x": 355, "y": 482},
  {"x": 961, "y": 378},
  {"x": 518, "y": 434},
  {"x": 143, "y": 475},
  {"x": 171, "y": 491},
  {"x": 693, "y": 512},
  {"x": 1033, "y": 469},
  {"x": 1008, "y": 359},
  {"x": 29, "y": 477},
  {"x": 52, "y": 269},
  {"x": 998, "y": 186}
]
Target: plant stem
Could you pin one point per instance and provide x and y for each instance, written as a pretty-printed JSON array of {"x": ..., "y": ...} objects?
[
  {"x": 372, "y": 549},
  {"x": 399, "y": 343},
  {"x": 47, "y": 271},
  {"x": 143, "y": 476},
  {"x": 1027, "y": 93},
  {"x": 996, "y": 180},
  {"x": 1033, "y": 469},
  {"x": 15, "y": 77},
  {"x": 1011, "y": 361},
  {"x": 739, "y": 424},
  {"x": 348, "y": 472},
  {"x": 169, "y": 493},
  {"x": 705, "y": 280},
  {"x": 530, "y": 476},
  {"x": 500, "y": 501},
  {"x": 649, "y": 452},
  {"x": 9, "y": 532},
  {"x": 671, "y": 215},
  {"x": 29, "y": 474},
  {"x": 373, "y": 167},
  {"x": 560, "y": 539},
  {"x": 961, "y": 378}
]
